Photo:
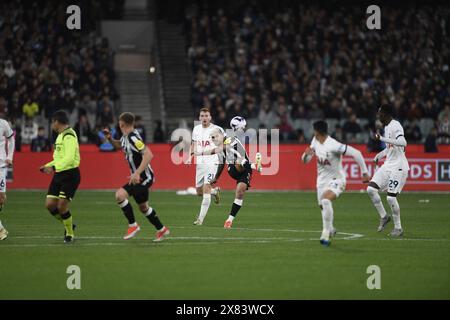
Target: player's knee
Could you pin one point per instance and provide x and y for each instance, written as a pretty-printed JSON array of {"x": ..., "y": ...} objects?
[
  {"x": 391, "y": 200},
  {"x": 371, "y": 190},
  {"x": 50, "y": 205},
  {"x": 199, "y": 192},
  {"x": 143, "y": 207},
  {"x": 62, "y": 206},
  {"x": 206, "y": 198},
  {"x": 120, "y": 195},
  {"x": 2, "y": 198},
  {"x": 325, "y": 202}
]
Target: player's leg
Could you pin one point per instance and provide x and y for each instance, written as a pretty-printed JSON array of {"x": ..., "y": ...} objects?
[
  {"x": 3, "y": 231},
  {"x": 205, "y": 176},
  {"x": 150, "y": 213},
  {"x": 69, "y": 185},
  {"x": 122, "y": 195},
  {"x": 327, "y": 216},
  {"x": 379, "y": 182},
  {"x": 51, "y": 201},
  {"x": 241, "y": 187},
  {"x": 215, "y": 192},
  {"x": 396, "y": 182}
]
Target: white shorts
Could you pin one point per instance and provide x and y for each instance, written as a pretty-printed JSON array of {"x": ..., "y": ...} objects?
[
  {"x": 205, "y": 173},
  {"x": 337, "y": 186},
  {"x": 389, "y": 179},
  {"x": 3, "y": 173}
]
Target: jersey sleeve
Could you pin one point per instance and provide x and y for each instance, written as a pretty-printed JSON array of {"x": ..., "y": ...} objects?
[
  {"x": 7, "y": 129},
  {"x": 337, "y": 147},
  {"x": 397, "y": 130},
  {"x": 195, "y": 134},
  {"x": 137, "y": 143}
]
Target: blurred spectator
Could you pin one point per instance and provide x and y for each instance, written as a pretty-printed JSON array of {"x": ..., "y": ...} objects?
[
  {"x": 9, "y": 69},
  {"x": 413, "y": 133},
  {"x": 103, "y": 143},
  {"x": 444, "y": 130},
  {"x": 106, "y": 117},
  {"x": 431, "y": 142},
  {"x": 29, "y": 131},
  {"x": 140, "y": 127},
  {"x": 158, "y": 134},
  {"x": 41, "y": 143},
  {"x": 83, "y": 130},
  {"x": 30, "y": 108},
  {"x": 267, "y": 117},
  {"x": 338, "y": 134},
  {"x": 301, "y": 137},
  {"x": 351, "y": 129}
]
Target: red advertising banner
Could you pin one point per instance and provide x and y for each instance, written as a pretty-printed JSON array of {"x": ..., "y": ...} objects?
[{"x": 109, "y": 170}]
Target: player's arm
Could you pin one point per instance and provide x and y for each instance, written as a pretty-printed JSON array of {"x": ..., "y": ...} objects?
[
  {"x": 147, "y": 155},
  {"x": 219, "y": 169},
  {"x": 357, "y": 155},
  {"x": 11, "y": 147},
  {"x": 380, "y": 155},
  {"x": 308, "y": 154},
  {"x": 108, "y": 136}
]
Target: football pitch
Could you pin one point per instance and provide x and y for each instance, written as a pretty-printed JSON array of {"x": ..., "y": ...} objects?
[{"x": 272, "y": 252}]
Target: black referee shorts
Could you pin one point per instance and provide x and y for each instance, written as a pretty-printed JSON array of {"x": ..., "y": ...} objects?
[
  {"x": 64, "y": 184},
  {"x": 244, "y": 176}
]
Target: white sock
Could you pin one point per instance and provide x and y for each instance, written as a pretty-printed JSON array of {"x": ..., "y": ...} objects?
[
  {"x": 123, "y": 203},
  {"x": 327, "y": 214},
  {"x": 1, "y": 226},
  {"x": 149, "y": 211},
  {"x": 230, "y": 218},
  {"x": 376, "y": 200},
  {"x": 205, "y": 206},
  {"x": 214, "y": 191},
  {"x": 395, "y": 208},
  {"x": 133, "y": 224}
]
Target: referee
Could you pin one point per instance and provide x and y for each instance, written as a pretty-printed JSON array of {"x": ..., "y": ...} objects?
[{"x": 66, "y": 178}]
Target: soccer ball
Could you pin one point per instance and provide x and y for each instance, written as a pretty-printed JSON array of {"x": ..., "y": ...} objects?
[{"x": 238, "y": 123}]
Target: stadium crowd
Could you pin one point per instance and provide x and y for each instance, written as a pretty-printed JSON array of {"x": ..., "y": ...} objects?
[
  {"x": 281, "y": 64},
  {"x": 45, "y": 67}
]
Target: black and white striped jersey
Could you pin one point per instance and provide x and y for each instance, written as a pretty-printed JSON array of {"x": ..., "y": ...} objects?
[
  {"x": 235, "y": 150},
  {"x": 133, "y": 146}
]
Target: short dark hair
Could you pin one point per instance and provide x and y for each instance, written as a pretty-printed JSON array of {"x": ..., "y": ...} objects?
[
  {"x": 387, "y": 109},
  {"x": 321, "y": 127},
  {"x": 61, "y": 116},
  {"x": 41, "y": 128},
  {"x": 127, "y": 117}
]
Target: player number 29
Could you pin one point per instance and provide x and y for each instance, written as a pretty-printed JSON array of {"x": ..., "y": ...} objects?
[{"x": 393, "y": 184}]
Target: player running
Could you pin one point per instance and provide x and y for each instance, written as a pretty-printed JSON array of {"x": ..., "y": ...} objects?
[
  {"x": 6, "y": 160},
  {"x": 391, "y": 176},
  {"x": 138, "y": 156},
  {"x": 232, "y": 152},
  {"x": 206, "y": 165},
  {"x": 330, "y": 174}
]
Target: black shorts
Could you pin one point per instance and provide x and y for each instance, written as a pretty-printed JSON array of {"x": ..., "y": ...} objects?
[
  {"x": 138, "y": 192},
  {"x": 244, "y": 176},
  {"x": 64, "y": 184}
]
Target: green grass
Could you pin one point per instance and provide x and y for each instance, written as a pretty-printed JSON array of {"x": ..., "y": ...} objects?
[{"x": 273, "y": 251}]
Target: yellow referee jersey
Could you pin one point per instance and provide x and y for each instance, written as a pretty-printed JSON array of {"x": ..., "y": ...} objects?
[{"x": 66, "y": 153}]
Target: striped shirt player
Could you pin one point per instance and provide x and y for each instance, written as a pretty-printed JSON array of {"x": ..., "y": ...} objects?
[
  {"x": 391, "y": 176},
  {"x": 7, "y": 144},
  {"x": 138, "y": 156},
  {"x": 232, "y": 153}
]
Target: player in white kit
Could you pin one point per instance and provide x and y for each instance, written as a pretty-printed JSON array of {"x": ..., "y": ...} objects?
[
  {"x": 6, "y": 160},
  {"x": 206, "y": 165},
  {"x": 331, "y": 178},
  {"x": 391, "y": 176}
]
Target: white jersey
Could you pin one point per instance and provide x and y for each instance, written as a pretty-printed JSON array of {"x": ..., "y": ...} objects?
[
  {"x": 395, "y": 157},
  {"x": 202, "y": 139},
  {"x": 5, "y": 133},
  {"x": 329, "y": 160}
]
